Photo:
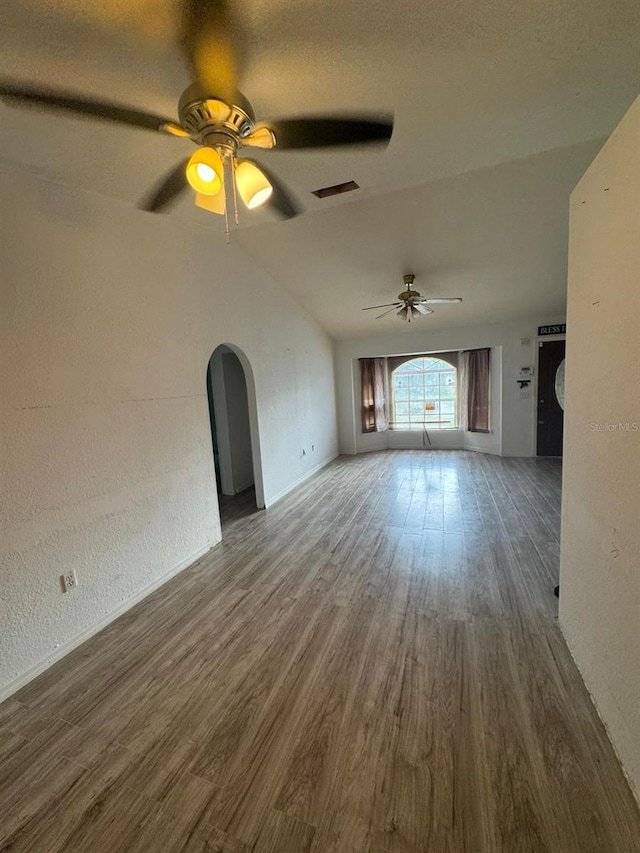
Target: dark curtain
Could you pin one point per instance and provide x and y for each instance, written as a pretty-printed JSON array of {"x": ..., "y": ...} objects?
[
  {"x": 372, "y": 383},
  {"x": 474, "y": 397}
]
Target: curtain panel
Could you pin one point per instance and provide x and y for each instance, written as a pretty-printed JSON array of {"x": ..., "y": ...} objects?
[
  {"x": 372, "y": 384},
  {"x": 474, "y": 390}
]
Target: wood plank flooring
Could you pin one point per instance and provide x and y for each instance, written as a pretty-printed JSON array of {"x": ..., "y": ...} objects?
[{"x": 372, "y": 665}]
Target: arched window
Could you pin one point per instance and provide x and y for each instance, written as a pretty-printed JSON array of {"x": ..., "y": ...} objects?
[{"x": 424, "y": 394}]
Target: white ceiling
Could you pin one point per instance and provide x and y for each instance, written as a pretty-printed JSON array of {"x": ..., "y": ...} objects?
[{"x": 463, "y": 196}]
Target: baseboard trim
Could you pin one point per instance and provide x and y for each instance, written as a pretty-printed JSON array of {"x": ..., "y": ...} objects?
[
  {"x": 483, "y": 450},
  {"x": 422, "y": 447},
  {"x": 426, "y": 447},
  {"x": 62, "y": 651},
  {"x": 272, "y": 500},
  {"x": 634, "y": 790}
]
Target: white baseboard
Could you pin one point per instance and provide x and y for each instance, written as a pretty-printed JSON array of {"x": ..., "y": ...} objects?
[
  {"x": 270, "y": 501},
  {"x": 84, "y": 635},
  {"x": 426, "y": 447},
  {"x": 421, "y": 447},
  {"x": 634, "y": 790},
  {"x": 482, "y": 450}
]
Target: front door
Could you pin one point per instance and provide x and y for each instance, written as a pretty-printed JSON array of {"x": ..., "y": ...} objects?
[{"x": 550, "y": 397}]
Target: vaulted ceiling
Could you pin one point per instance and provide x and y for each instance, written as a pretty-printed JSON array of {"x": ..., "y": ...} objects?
[{"x": 499, "y": 107}]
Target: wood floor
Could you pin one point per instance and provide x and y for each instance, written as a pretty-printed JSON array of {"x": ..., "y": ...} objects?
[{"x": 372, "y": 665}]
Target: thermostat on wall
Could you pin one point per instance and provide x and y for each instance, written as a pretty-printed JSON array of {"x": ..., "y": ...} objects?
[{"x": 525, "y": 373}]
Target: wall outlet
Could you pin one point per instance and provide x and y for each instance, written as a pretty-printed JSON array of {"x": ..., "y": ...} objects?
[{"x": 69, "y": 581}]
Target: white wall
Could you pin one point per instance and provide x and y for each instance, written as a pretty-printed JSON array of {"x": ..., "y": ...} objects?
[
  {"x": 600, "y": 549},
  {"x": 513, "y": 419},
  {"x": 109, "y": 317}
]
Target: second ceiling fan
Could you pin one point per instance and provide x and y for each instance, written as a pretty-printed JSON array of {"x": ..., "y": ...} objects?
[
  {"x": 411, "y": 304},
  {"x": 216, "y": 116}
]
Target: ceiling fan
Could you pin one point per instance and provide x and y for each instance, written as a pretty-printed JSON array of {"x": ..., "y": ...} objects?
[
  {"x": 410, "y": 304},
  {"x": 216, "y": 116}
]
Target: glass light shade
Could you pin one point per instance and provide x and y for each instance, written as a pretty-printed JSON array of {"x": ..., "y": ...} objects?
[
  {"x": 253, "y": 186},
  {"x": 205, "y": 171},
  {"x": 212, "y": 203}
]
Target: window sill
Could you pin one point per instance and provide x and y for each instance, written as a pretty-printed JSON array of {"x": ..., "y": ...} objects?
[{"x": 422, "y": 428}]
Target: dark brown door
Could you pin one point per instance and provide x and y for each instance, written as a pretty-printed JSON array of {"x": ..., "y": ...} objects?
[{"x": 550, "y": 408}]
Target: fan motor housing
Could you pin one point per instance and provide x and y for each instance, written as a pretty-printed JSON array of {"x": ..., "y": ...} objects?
[
  {"x": 202, "y": 114},
  {"x": 407, "y": 296}
]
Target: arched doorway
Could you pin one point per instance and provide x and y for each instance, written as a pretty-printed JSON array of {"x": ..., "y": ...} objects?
[{"x": 234, "y": 431}]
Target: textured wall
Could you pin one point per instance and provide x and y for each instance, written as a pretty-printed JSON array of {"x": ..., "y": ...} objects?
[
  {"x": 600, "y": 553},
  {"x": 109, "y": 317}
]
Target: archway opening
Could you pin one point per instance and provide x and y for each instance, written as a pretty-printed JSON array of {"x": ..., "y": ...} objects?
[{"x": 234, "y": 433}]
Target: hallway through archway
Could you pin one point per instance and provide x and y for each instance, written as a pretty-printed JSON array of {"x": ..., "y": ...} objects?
[{"x": 234, "y": 433}]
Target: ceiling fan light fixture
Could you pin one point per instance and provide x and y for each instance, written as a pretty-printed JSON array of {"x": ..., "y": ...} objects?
[
  {"x": 212, "y": 203},
  {"x": 205, "y": 171},
  {"x": 253, "y": 185}
]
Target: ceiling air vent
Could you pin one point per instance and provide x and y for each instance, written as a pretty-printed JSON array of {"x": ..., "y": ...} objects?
[{"x": 337, "y": 189}]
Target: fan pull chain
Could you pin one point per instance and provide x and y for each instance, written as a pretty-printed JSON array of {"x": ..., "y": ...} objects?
[
  {"x": 228, "y": 166},
  {"x": 235, "y": 191},
  {"x": 226, "y": 221}
]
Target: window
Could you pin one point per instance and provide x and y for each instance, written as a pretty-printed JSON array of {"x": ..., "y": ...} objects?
[{"x": 424, "y": 394}]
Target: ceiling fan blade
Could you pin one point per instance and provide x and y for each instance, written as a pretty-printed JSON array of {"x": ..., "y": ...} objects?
[
  {"x": 260, "y": 137},
  {"x": 384, "y": 313},
  {"x": 324, "y": 131},
  {"x": 208, "y": 43},
  {"x": 42, "y": 99},
  {"x": 440, "y": 301},
  {"x": 281, "y": 199},
  {"x": 422, "y": 309},
  {"x": 388, "y": 305},
  {"x": 167, "y": 190}
]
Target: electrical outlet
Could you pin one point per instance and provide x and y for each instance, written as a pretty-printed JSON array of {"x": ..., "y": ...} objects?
[{"x": 69, "y": 581}]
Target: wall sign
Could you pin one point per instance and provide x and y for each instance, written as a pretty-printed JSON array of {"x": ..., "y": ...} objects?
[
  {"x": 558, "y": 329},
  {"x": 525, "y": 376}
]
